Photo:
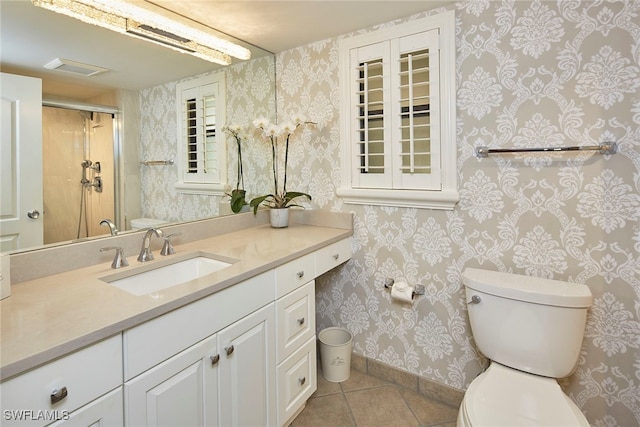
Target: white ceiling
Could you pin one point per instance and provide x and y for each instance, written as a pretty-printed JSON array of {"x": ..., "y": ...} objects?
[{"x": 31, "y": 37}]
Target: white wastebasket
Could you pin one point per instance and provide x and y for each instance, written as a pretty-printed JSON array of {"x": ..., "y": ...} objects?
[{"x": 335, "y": 354}]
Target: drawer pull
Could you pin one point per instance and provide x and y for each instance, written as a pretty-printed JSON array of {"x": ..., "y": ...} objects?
[
  {"x": 301, "y": 321},
  {"x": 229, "y": 350},
  {"x": 336, "y": 256},
  {"x": 302, "y": 380},
  {"x": 300, "y": 274},
  {"x": 58, "y": 394},
  {"x": 214, "y": 359}
]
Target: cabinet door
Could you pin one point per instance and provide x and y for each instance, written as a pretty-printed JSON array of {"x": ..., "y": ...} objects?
[
  {"x": 247, "y": 371},
  {"x": 181, "y": 391}
]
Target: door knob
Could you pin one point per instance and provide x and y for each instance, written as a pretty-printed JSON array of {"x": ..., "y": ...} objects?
[{"x": 33, "y": 214}]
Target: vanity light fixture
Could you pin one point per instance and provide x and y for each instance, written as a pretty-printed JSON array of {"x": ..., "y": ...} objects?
[{"x": 157, "y": 27}]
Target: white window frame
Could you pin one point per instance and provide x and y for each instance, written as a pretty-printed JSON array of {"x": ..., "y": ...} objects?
[
  {"x": 443, "y": 188},
  {"x": 202, "y": 182}
]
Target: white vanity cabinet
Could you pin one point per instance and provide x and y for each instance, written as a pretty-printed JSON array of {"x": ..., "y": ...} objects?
[
  {"x": 296, "y": 326},
  {"x": 213, "y": 382},
  {"x": 244, "y": 355},
  {"x": 66, "y": 387},
  {"x": 296, "y": 351},
  {"x": 205, "y": 363}
]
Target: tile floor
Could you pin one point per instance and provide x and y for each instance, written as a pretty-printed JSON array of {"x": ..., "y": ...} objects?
[{"x": 364, "y": 400}]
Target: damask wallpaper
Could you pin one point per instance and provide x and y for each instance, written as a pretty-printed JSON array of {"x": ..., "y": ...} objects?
[
  {"x": 529, "y": 74},
  {"x": 250, "y": 93}
]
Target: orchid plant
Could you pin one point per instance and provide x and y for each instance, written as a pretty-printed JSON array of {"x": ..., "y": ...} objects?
[
  {"x": 275, "y": 134},
  {"x": 238, "y": 194}
]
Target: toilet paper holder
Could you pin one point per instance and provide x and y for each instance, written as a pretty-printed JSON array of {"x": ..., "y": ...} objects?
[{"x": 417, "y": 290}]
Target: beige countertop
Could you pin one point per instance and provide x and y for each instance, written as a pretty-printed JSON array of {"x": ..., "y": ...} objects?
[{"x": 49, "y": 317}]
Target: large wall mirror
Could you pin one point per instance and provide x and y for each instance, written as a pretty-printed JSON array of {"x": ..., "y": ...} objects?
[{"x": 120, "y": 125}]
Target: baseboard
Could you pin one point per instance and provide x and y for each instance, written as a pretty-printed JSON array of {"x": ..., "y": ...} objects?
[{"x": 426, "y": 387}]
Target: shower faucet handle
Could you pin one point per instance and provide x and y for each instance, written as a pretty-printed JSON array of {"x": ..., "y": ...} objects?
[
  {"x": 167, "y": 247},
  {"x": 119, "y": 260}
]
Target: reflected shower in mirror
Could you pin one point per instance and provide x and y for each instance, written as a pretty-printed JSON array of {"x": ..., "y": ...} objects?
[{"x": 78, "y": 173}]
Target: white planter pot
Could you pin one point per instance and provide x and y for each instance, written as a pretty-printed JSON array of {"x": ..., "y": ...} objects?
[{"x": 279, "y": 217}]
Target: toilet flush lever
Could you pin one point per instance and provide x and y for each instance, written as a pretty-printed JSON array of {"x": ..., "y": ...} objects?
[{"x": 474, "y": 300}]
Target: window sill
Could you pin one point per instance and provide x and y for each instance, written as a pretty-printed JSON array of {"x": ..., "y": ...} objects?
[
  {"x": 198, "y": 188},
  {"x": 419, "y": 199}
]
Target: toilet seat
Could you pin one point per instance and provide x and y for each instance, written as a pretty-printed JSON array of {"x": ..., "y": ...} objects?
[{"x": 503, "y": 396}]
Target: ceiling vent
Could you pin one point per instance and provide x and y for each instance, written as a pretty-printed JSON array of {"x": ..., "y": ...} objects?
[{"x": 74, "y": 67}]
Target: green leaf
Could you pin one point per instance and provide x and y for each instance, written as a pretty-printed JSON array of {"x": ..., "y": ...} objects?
[
  {"x": 237, "y": 200},
  {"x": 290, "y": 195},
  {"x": 254, "y": 203}
]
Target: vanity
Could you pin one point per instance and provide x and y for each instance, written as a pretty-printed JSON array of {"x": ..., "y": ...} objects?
[{"x": 236, "y": 346}]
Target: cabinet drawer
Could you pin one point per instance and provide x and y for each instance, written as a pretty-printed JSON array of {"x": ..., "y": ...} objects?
[
  {"x": 295, "y": 319},
  {"x": 159, "y": 339},
  {"x": 294, "y": 274},
  {"x": 86, "y": 374},
  {"x": 296, "y": 381},
  {"x": 106, "y": 411},
  {"x": 332, "y": 256}
]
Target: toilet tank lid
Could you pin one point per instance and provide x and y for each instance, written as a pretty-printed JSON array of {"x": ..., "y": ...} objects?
[{"x": 527, "y": 288}]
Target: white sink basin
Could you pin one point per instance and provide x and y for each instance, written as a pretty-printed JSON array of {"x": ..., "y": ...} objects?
[{"x": 156, "y": 277}]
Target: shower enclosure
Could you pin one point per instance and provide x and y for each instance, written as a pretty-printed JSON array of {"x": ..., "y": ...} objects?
[{"x": 80, "y": 152}]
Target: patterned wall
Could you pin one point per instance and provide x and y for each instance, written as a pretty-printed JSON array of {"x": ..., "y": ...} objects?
[
  {"x": 529, "y": 73},
  {"x": 250, "y": 92}
]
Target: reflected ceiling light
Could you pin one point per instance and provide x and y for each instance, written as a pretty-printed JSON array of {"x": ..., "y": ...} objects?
[{"x": 133, "y": 20}]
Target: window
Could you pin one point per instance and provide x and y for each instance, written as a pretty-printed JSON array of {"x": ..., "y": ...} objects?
[
  {"x": 201, "y": 149},
  {"x": 398, "y": 129}
]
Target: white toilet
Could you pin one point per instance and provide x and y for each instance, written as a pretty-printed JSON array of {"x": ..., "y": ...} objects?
[{"x": 531, "y": 329}]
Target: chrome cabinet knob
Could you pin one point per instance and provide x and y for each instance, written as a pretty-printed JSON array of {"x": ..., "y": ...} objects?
[
  {"x": 300, "y": 274},
  {"x": 302, "y": 380},
  {"x": 301, "y": 321},
  {"x": 214, "y": 359},
  {"x": 336, "y": 256},
  {"x": 33, "y": 214}
]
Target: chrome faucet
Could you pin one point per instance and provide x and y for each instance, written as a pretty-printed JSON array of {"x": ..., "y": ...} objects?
[
  {"x": 145, "y": 251},
  {"x": 111, "y": 225}
]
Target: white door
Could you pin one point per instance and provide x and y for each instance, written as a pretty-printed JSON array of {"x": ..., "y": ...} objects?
[
  {"x": 20, "y": 162},
  {"x": 247, "y": 371}
]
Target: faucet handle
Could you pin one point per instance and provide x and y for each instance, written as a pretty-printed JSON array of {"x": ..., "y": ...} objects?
[
  {"x": 119, "y": 260},
  {"x": 167, "y": 247}
]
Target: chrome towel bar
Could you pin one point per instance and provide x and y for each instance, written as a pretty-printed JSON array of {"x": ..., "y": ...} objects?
[
  {"x": 605, "y": 148},
  {"x": 156, "y": 162}
]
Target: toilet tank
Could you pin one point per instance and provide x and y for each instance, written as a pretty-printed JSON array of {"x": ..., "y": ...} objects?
[{"x": 527, "y": 323}]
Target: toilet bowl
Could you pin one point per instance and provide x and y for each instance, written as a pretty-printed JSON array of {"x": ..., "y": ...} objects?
[
  {"x": 502, "y": 396},
  {"x": 531, "y": 329},
  {"x": 144, "y": 223}
]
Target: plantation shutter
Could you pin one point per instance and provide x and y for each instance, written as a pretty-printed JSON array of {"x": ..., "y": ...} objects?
[
  {"x": 200, "y": 128},
  {"x": 395, "y": 122}
]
